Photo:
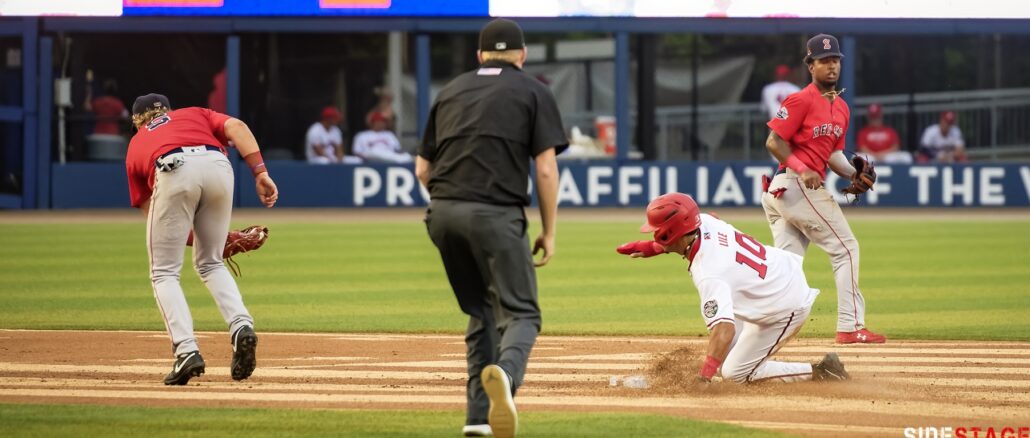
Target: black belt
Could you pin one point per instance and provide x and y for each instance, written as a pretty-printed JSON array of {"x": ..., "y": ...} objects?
[{"x": 179, "y": 150}]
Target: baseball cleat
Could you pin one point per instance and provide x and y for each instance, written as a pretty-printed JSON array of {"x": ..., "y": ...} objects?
[
  {"x": 830, "y": 368},
  {"x": 244, "y": 344},
  {"x": 477, "y": 430},
  {"x": 504, "y": 419},
  {"x": 187, "y": 365},
  {"x": 862, "y": 336}
]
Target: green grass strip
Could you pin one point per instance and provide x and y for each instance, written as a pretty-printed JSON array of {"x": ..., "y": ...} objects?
[{"x": 117, "y": 421}]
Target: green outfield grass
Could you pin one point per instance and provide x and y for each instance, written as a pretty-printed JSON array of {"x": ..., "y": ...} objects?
[
  {"x": 921, "y": 280},
  {"x": 113, "y": 422}
]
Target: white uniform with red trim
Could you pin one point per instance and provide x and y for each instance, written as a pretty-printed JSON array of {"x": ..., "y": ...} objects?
[{"x": 761, "y": 290}]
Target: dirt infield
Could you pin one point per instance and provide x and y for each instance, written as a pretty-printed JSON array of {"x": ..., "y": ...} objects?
[{"x": 896, "y": 385}]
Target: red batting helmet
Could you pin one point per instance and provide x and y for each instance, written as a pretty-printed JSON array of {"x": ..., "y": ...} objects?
[{"x": 671, "y": 216}]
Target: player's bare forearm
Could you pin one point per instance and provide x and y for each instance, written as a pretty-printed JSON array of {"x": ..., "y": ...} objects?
[
  {"x": 720, "y": 339},
  {"x": 547, "y": 190},
  {"x": 778, "y": 147},
  {"x": 422, "y": 169},
  {"x": 239, "y": 133},
  {"x": 840, "y": 165}
]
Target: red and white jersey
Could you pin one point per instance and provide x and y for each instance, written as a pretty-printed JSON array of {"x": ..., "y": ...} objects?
[
  {"x": 738, "y": 277},
  {"x": 814, "y": 126}
]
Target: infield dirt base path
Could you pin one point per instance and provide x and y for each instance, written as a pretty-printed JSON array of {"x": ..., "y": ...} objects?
[{"x": 896, "y": 385}]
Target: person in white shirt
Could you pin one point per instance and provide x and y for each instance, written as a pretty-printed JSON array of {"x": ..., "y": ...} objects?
[
  {"x": 774, "y": 93},
  {"x": 324, "y": 140},
  {"x": 942, "y": 143},
  {"x": 754, "y": 298},
  {"x": 379, "y": 144}
]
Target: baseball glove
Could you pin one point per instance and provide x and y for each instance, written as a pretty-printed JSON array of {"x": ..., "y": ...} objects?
[
  {"x": 863, "y": 179},
  {"x": 247, "y": 239}
]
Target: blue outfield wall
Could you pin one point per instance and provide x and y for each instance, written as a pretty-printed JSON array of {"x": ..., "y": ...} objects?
[{"x": 599, "y": 184}]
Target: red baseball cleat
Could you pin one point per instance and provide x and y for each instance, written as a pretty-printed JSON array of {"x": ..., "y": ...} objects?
[{"x": 862, "y": 336}]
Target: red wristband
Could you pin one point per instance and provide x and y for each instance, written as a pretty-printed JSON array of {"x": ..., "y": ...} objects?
[
  {"x": 256, "y": 163},
  {"x": 795, "y": 164},
  {"x": 710, "y": 367}
]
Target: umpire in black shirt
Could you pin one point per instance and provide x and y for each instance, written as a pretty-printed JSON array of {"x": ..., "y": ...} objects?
[{"x": 484, "y": 129}]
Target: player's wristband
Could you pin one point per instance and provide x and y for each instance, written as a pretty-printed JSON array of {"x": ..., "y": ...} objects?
[
  {"x": 256, "y": 163},
  {"x": 795, "y": 164},
  {"x": 710, "y": 367}
]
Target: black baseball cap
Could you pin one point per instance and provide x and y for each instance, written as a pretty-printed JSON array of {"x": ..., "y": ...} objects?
[
  {"x": 501, "y": 34},
  {"x": 149, "y": 102},
  {"x": 823, "y": 46}
]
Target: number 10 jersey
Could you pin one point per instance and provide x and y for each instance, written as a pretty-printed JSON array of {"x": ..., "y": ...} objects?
[{"x": 738, "y": 277}]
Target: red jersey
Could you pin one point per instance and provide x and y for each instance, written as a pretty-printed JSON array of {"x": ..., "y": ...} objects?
[
  {"x": 813, "y": 126},
  {"x": 183, "y": 127},
  {"x": 109, "y": 111},
  {"x": 877, "y": 139}
]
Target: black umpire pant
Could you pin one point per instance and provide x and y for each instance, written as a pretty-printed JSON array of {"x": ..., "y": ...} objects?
[{"x": 489, "y": 265}]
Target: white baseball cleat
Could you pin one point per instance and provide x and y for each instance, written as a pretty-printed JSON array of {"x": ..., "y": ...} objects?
[
  {"x": 504, "y": 419},
  {"x": 477, "y": 430}
]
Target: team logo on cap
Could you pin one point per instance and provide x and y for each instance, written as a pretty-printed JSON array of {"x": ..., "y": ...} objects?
[
  {"x": 711, "y": 308},
  {"x": 826, "y": 44},
  {"x": 501, "y": 46},
  {"x": 782, "y": 113}
]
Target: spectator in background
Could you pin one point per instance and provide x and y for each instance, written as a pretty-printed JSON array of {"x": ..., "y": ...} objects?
[
  {"x": 774, "y": 93},
  {"x": 942, "y": 142},
  {"x": 384, "y": 108},
  {"x": 324, "y": 140},
  {"x": 379, "y": 144},
  {"x": 216, "y": 100},
  {"x": 880, "y": 142},
  {"x": 108, "y": 109}
]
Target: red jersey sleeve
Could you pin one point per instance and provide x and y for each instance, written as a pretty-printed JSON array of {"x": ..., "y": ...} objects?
[
  {"x": 217, "y": 122},
  {"x": 791, "y": 115}
]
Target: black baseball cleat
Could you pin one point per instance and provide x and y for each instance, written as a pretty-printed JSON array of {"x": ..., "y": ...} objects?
[
  {"x": 187, "y": 365},
  {"x": 830, "y": 368},
  {"x": 244, "y": 345}
]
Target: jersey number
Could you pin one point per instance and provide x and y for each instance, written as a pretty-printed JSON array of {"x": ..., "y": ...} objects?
[
  {"x": 158, "y": 121},
  {"x": 756, "y": 249}
]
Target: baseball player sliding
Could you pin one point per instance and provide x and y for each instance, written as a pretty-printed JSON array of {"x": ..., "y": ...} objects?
[
  {"x": 180, "y": 178},
  {"x": 754, "y": 298},
  {"x": 807, "y": 136}
]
